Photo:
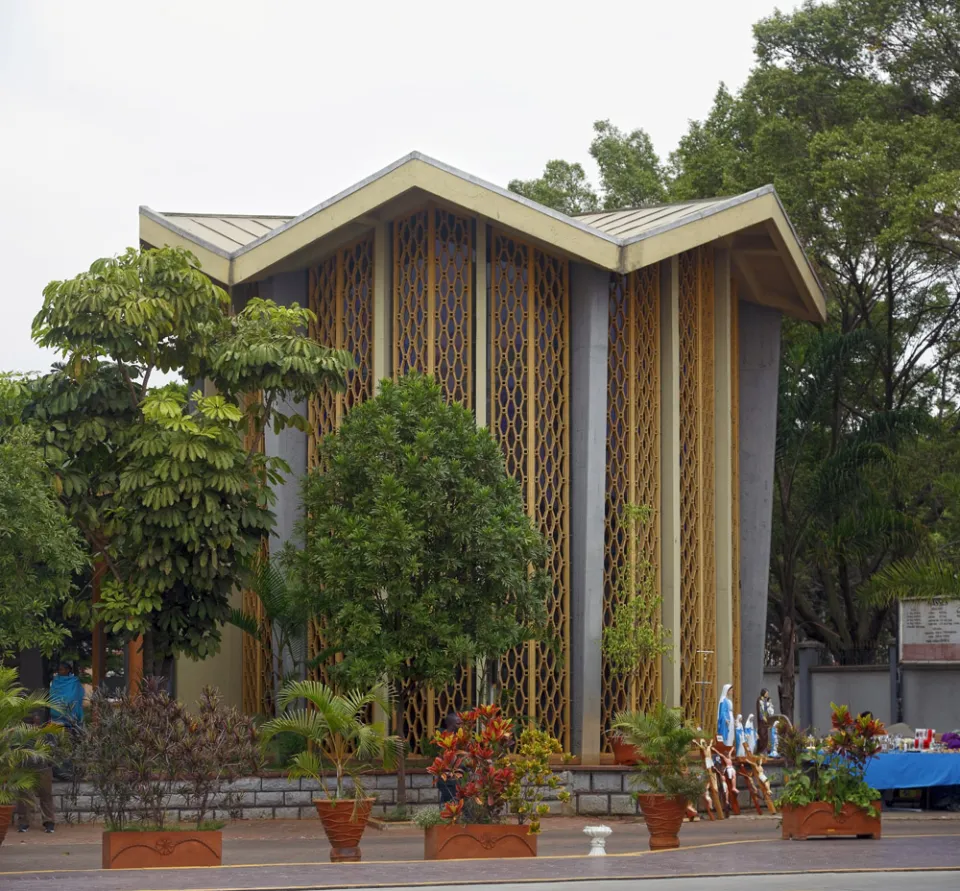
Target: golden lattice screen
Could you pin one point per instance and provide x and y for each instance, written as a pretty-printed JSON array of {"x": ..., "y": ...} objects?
[
  {"x": 341, "y": 297},
  {"x": 735, "y": 480},
  {"x": 432, "y": 306},
  {"x": 633, "y": 465},
  {"x": 529, "y": 415},
  {"x": 698, "y": 589}
]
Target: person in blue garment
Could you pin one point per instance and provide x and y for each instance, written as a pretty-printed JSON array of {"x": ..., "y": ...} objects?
[
  {"x": 66, "y": 697},
  {"x": 725, "y": 728}
]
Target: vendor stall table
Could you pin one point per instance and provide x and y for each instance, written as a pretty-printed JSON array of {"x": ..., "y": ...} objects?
[{"x": 913, "y": 770}]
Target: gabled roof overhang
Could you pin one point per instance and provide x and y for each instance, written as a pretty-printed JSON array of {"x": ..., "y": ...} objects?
[{"x": 757, "y": 216}]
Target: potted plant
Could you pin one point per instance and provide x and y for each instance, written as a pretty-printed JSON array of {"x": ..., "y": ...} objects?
[
  {"x": 490, "y": 786},
  {"x": 335, "y": 728},
  {"x": 139, "y": 752},
  {"x": 24, "y": 743},
  {"x": 635, "y": 636},
  {"x": 824, "y": 791},
  {"x": 665, "y": 778}
]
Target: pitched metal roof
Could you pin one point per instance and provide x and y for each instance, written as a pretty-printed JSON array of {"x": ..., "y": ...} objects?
[
  {"x": 630, "y": 222},
  {"x": 238, "y": 248},
  {"x": 229, "y": 232}
]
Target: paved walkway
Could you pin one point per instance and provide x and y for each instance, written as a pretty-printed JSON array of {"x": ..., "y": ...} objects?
[{"x": 293, "y": 854}]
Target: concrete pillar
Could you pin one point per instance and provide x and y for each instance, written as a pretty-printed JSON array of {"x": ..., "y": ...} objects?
[
  {"x": 670, "y": 473},
  {"x": 723, "y": 468},
  {"x": 759, "y": 338},
  {"x": 589, "y": 307},
  {"x": 290, "y": 444},
  {"x": 808, "y": 657}
]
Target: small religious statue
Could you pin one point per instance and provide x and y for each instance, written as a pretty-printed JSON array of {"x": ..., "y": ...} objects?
[
  {"x": 739, "y": 737},
  {"x": 750, "y": 736},
  {"x": 765, "y": 722},
  {"x": 725, "y": 726}
]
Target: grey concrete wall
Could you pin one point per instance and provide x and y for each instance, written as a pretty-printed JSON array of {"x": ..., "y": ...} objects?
[
  {"x": 862, "y": 688},
  {"x": 931, "y": 697},
  {"x": 589, "y": 301},
  {"x": 759, "y": 338},
  {"x": 290, "y": 444}
]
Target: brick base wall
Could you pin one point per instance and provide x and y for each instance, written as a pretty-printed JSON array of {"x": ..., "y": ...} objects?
[{"x": 603, "y": 791}]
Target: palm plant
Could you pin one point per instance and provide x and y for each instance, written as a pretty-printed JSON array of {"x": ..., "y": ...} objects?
[
  {"x": 664, "y": 742},
  {"x": 339, "y": 737},
  {"x": 23, "y": 746},
  {"x": 281, "y": 622}
]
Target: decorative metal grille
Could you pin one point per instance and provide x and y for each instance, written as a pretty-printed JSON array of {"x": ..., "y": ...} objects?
[
  {"x": 341, "y": 297},
  {"x": 691, "y": 520},
  {"x": 529, "y": 381},
  {"x": 633, "y": 464},
  {"x": 433, "y": 298},
  {"x": 735, "y": 480},
  {"x": 697, "y": 485},
  {"x": 708, "y": 408}
]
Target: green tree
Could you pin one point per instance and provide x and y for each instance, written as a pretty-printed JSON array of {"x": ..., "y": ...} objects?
[
  {"x": 631, "y": 174},
  {"x": 161, "y": 482},
  {"x": 851, "y": 112},
  {"x": 40, "y": 550},
  {"x": 563, "y": 187},
  {"x": 418, "y": 556}
]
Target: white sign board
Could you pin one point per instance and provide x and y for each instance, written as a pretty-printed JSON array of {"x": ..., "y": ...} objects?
[{"x": 930, "y": 630}]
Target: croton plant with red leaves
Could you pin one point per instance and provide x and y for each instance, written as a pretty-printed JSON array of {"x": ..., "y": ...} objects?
[
  {"x": 855, "y": 739},
  {"x": 475, "y": 757}
]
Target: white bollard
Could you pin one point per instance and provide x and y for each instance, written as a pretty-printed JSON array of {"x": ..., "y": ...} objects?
[{"x": 598, "y": 839}]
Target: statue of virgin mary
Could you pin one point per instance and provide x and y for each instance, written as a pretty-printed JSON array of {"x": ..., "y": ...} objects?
[{"x": 725, "y": 727}]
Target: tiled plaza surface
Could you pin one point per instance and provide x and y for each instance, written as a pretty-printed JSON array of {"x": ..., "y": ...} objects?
[{"x": 292, "y": 855}]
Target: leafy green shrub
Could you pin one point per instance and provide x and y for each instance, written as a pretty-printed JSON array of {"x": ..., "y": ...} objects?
[{"x": 23, "y": 746}]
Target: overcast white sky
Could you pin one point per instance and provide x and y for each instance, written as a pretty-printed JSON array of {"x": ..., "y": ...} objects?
[{"x": 234, "y": 106}]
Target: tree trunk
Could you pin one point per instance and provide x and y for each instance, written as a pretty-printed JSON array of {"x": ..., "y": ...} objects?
[
  {"x": 402, "y": 696},
  {"x": 788, "y": 672},
  {"x": 148, "y": 654}
]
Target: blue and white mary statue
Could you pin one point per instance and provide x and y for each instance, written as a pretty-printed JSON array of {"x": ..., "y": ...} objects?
[{"x": 725, "y": 728}]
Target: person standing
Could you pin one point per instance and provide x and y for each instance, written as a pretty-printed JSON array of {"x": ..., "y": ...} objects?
[
  {"x": 43, "y": 793},
  {"x": 66, "y": 697}
]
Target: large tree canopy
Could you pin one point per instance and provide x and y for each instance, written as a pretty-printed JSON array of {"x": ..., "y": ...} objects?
[
  {"x": 853, "y": 112},
  {"x": 40, "y": 551},
  {"x": 166, "y": 484},
  {"x": 418, "y": 556}
]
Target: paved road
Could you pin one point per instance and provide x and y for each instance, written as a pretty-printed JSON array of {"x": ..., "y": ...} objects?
[
  {"x": 734, "y": 863},
  {"x": 869, "y": 881}
]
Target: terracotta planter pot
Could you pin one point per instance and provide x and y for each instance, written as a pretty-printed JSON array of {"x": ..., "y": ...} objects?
[
  {"x": 344, "y": 822},
  {"x": 664, "y": 816},
  {"x": 478, "y": 841},
  {"x": 6, "y": 817},
  {"x": 623, "y": 752},
  {"x": 819, "y": 819},
  {"x": 147, "y": 850}
]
